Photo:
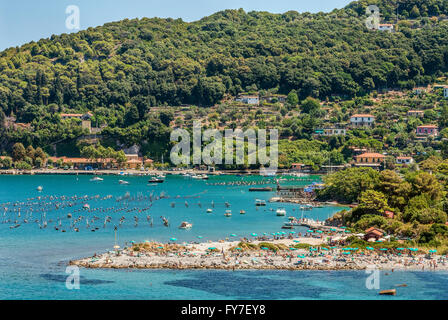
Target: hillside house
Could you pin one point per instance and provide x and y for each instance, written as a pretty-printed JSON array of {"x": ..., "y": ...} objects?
[
  {"x": 362, "y": 120},
  {"x": 370, "y": 159},
  {"x": 388, "y": 27},
  {"x": 248, "y": 99},
  {"x": 404, "y": 160},
  {"x": 427, "y": 130}
]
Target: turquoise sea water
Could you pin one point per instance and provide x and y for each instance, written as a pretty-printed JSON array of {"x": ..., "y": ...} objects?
[{"x": 33, "y": 260}]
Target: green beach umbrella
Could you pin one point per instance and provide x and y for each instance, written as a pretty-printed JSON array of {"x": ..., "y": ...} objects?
[
  {"x": 254, "y": 234},
  {"x": 292, "y": 232},
  {"x": 319, "y": 231},
  {"x": 324, "y": 249},
  {"x": 400, "y": 249},
  {"x": 173, "y": 239},
  {"x": 383, "y": 249},
  {"x": 233, "y": 235},
  {"x": 310, "y": 231},
  {"x": 301, "y": 256},
  {"x": 296, "y": 241},
  {"x": 200, "y": 237},
  {"x": 264, "y": 248},
  {"x": 238, "y": 249},
  {"x": 293, "y": 249},
  {"x": 432, "y": 251},
  {"x": 370, "y": 248}
]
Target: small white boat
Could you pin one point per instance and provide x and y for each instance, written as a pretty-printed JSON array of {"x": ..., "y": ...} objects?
[
  {"x": 281, "y": 212},
  {"x": 185, "y": 225},
  {"x": 242, "y": 212},
  {"x": 209, "y": 210},
  {"x": 123, "y": 182},
  {"x": 96, "y": 179},
  {"x": 260, "y": 203},
  {"x": 39, "y": 188},
  {"x": 86, "y": 206},
  {"x": 228, "y": 213}
]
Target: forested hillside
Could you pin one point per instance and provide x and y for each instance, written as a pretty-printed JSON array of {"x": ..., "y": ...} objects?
[{"x": 121, "y": 70}]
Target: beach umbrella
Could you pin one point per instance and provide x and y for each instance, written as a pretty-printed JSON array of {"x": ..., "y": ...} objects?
[
  {"x": 324, "y": 249},
  {"x": 346, "y": 252},
  {"x": 332, "y": 229},
  {"x": 370, "y": 248},
  {"x": 383, "y": 249},
  {"x": 293, "y": 249},
  {"x": 400, "y": 249},
  {"x": 432, "y": 251},
  {"x": 292, "y": 232},
  {"x": 319, "y": 231},
  {"x": 301, "y": 256},
  {"x": 347, "y": 231},
  {"x": 310, "y": 231},
  {"x": 238, "y": 249},
  {"x": 159, "y": 247},
  {"x": 413, "y": 249},
  {"x": 132, "y": 241},
  {"x": 296, "y": 241},
  {"x": 200, "y": 237},
  {"x": 173, "y": 239},
  {"x": 254, "y": 234},
  {"x": 212, "y": 248},
  {"x": 343, "y": 227},
  {"x": 233, "y": 235},
  {"x": 264, "y": 248}
]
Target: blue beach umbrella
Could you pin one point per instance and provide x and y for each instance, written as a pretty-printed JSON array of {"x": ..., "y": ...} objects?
[
  {"x": 400, "y": 249},
  {"x": 310, "y": 231},
  {"x": 233, "y": 235},
  {"x": 292, "y": 232},
  {"x": 301, "y": 256},
  {"x": 370, "y": 248},
  {"x": 432, "y": 251},
  {"x": 200, "y": 237},
  {"x": 324, "y": 249},
  {"x": 383, "y": 249},
  {"x": 264, "y": 248},
  {"x": 173, "y": 239}
]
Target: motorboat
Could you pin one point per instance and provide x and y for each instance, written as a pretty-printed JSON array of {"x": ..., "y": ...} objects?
[
  {"x": 185, "y": 225},
  {"x": 123, "y": 182},
  {"x": 228, "y": 213},
  {"x": 156, "y": 180},
  {"x": 281, "y": 212},
  {"x": 260, "y": 203},
  {"x": 96, "y": 179},
  {"x": 209, "y": 210},
  {"x": 39, "y": 188},
  {"x": 242, "y": 212}
]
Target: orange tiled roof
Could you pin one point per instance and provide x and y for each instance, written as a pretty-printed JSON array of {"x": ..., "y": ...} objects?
[{"x": 371, "y": 155}]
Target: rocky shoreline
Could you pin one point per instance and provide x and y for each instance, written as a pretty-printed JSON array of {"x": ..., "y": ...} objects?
[{"x": 225, "y": 256}]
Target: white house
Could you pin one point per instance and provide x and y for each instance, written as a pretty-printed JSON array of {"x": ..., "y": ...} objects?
[
  {"x": 386, "y": 27},
  {"x": 247, "y": 99},
  {"x": 405, "y": 160},
  {"x": 329, "y": 132},
  {"x": 362, "y": 120}
]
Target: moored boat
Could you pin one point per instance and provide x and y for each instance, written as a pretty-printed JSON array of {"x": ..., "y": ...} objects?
[
  {"x": 185, "y": 225},
  {"x": 228, "y": 213},
  {"x": 281, "y": 212}
]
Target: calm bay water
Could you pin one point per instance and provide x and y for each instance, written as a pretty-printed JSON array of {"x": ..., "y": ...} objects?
[{"x": 33, "y": 260}]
